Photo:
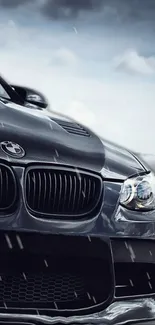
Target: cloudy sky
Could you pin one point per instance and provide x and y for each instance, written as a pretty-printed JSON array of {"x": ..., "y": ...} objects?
[{"x": 93, "y": 59}]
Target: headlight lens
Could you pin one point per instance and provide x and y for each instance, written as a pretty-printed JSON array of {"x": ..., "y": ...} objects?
[{"x": 139, "y": 193}]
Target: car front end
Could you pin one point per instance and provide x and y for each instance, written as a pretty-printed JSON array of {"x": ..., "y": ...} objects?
[
  {"x": 77, "y": 225},
  {"x": 91, "y": 262}
]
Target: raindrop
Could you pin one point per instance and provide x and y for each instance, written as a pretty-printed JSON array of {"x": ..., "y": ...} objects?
[
  {"x": 126, "y": 245},
  {"x": 46, "y": 263},
  {"x": 75, "y": 30},
  {"x": 83, "y": 193},
  {"x": 132, "y": 254},
  {"x": 5, "y": 305},
  {"x": 19, "y": 242},
  {"x": 55, "y": 305},
  {"x": 24, "y": 276},
  {"x": 94, "y": 300},
  {"x": 8, "y": 241},
  {"x": 57, "y": 154},
  {"x": 150, "y": 285},
  {"x": 131, "y": 282}
]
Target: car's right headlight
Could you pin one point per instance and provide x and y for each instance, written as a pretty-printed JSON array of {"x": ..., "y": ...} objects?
[{"x": 138, "y": 193}]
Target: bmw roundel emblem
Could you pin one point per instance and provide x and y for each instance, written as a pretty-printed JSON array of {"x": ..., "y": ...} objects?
[{"x": 12, "y": 149}]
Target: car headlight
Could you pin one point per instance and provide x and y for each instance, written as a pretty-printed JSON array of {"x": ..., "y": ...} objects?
[{"x": 139, "y": 193}]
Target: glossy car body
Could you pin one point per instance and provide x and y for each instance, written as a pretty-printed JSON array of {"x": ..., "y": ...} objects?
[{"x": 82, "y": 258}]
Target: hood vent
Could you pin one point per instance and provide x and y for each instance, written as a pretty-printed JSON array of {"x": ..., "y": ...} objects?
[{"x": 72, "y": 128}]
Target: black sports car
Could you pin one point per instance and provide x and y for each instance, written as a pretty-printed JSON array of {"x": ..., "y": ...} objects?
[{"x": 77, "y": 221}]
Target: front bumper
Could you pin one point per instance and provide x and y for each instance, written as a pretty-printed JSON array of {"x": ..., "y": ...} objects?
[{"x": 140, "y": 311}]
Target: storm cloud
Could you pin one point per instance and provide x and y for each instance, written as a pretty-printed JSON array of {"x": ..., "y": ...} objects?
[
  {"x": 13, "y": 3},
  {"x": 119, "y": 10},
  {"x": 69, "y": 8}
]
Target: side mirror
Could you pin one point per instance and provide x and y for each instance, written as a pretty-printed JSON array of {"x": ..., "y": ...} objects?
[{"x": 31, "y": 96}]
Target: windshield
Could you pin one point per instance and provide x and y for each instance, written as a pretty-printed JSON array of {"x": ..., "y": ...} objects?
[
  {"x": 94, "y": 60},
  {"x": 3, "y": 93}
]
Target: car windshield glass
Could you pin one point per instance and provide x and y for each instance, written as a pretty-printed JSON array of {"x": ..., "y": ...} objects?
[{"x": 3, "y": 93}]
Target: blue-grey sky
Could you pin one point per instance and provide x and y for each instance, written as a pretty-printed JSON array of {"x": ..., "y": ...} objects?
[{"x": 94, "y": 60}]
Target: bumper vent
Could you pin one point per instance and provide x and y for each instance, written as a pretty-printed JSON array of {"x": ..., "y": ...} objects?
[
  {"x": 42, "y": 288},
  {"x": 8, "y": 189},
  {"x": 134, "y": 279},
  {"x": 63, "y": 193},
  {"x": 72, "y": 128}
]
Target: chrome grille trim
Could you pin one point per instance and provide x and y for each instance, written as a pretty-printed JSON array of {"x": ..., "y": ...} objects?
[{"x": 58, "y": 191}]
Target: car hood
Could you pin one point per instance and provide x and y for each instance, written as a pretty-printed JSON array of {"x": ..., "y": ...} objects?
[{"x": 51, "y": 138}]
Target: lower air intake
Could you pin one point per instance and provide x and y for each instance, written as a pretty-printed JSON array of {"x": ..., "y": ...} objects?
[
  {"x": 134, "y": 279},
  {"x": 54, "y": 273}
]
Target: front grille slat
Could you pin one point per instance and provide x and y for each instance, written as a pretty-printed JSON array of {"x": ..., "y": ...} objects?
[
  {"x": 74, "y": 193},
  {"x": 39, "y": 188},
  {"x": 79, "y": 194},
  {"x": 34, "y": 187},
  {"x": 93, "y": 189},
  {"x": 28, "y": 185},
  {"x": 45, "y": 189},
  {"x": 70, "y": 190},
  {"x": 50, "y": 189},
  {"x": 62, "y": 192},
  {"x": 88, "y": 197},
  {"x": 55, "y": 190},
  {"x": 8, "y": 189},
  {"x": 65, "y": 193},
  {"x": 83, "y": 192}
]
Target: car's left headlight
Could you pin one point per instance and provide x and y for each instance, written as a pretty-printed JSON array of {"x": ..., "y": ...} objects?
[{"x": 138, "y": 193}]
